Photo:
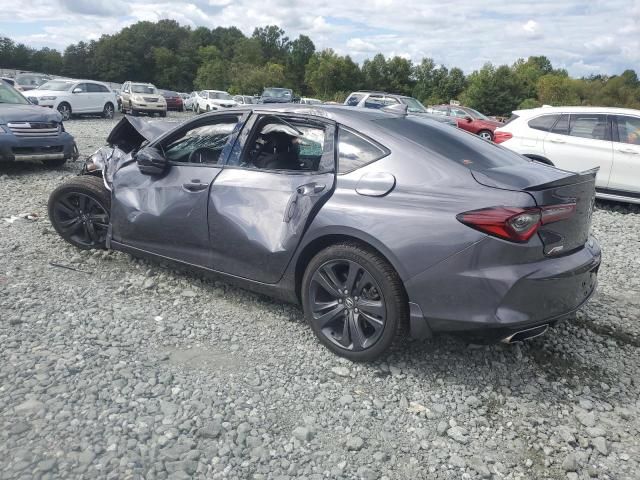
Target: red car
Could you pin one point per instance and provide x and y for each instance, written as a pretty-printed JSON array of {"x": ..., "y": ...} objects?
[
  {"x": 470, "y": 120},
  {"x": 174, "y": 100}
]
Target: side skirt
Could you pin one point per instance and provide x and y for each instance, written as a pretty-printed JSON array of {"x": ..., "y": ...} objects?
[
  {"x": 618, "y": 195},
  {"x": 280, "y": 291}
]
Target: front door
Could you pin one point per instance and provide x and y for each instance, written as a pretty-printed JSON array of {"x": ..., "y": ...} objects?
[
  {"x": 580, "y": 142},
  {"x": 280, "y": 172},
  {"x": 81, "y": 98},
  {"x": 167, "y": 214},
  {"x": 625, "y": 173}
]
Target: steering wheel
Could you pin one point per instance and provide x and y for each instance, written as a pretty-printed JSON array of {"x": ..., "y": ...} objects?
[{"x": 202, "y": 152}]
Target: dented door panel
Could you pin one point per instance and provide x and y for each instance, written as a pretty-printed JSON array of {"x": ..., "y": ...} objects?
[
  {"x": 167, "y": 215},
  {"x": 256, "y": 219}
]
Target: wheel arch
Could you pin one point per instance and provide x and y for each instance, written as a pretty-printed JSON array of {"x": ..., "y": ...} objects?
[{"x": 330, "y": 237}]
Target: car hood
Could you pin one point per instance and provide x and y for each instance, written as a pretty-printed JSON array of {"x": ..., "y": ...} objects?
[
  {"x": 45, "y": 93},
  {"x": 130, "y": 132},
  {"x": 27, "y": 113},
  {"x": 125, "y": 138}
]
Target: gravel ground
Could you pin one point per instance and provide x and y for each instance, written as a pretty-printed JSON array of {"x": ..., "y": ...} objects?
[{"x": 125, "y": 368}]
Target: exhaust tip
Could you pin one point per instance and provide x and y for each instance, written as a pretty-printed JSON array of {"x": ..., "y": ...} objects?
[{"x": 526, "y": 334}]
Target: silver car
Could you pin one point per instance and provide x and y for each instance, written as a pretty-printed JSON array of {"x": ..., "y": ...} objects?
[{"x": 377, "y": 222}]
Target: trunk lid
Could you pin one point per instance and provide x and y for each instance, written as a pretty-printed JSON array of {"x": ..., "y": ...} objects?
[{"x": 550, "y": 186}]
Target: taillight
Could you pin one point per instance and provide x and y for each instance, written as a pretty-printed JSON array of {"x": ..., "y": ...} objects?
[
  {"x": 514, "y": 223},
  {"x": 499, "y": 137}
]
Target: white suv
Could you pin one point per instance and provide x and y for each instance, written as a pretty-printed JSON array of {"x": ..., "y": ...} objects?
[
  {"x": 209, "y": 100},
  {"x": 581, "y": 138},
  {"x": 71, "y": 97}
]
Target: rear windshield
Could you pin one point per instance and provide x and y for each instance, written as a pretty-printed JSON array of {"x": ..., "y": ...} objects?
[{"x": 457, "y": 146}]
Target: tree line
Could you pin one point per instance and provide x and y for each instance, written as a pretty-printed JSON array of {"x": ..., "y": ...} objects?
[{"x": 180, "y": 58}]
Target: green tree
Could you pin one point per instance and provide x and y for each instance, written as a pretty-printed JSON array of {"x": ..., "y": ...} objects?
[
  {"x": 300, "y": 52},
  {"x": 275, "y": 44},
  {"x": 328, "y": 73},
  {"x": 493, "y": 90},
  {"x": 251, "y": 80},
  {"x": 374, "y": 73},
  {"x": 554, "y": 89},
  {"x": 399, "y": 75}
]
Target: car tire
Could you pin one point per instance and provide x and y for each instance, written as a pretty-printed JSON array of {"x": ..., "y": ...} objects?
[
  {"x": 57, "y": 162},
  {"x": 364, "y": 322},
  {"x": 65, "y": 110},
  {"x": 486, "y": 135},
  {"x": 208, "y": 108},
  {"x": 108, "y": 111},
  {"x": 135, "y": 113},
  {"x": 163, "y": 114},
  {"x": 79, "y": 211}
]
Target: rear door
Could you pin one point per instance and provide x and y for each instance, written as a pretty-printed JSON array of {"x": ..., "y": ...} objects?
[
  {"x": 269, "y": 191},
  {"x": 167, "y": 215},
  {"x": 580, "y": 142},
  {"x": 625, "y": 173}
]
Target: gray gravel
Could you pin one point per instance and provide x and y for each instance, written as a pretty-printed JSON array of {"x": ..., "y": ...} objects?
[{"x": 125, "y": 368}]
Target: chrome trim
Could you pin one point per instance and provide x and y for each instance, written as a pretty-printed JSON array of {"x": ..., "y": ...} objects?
[
  {"x": 617, "y": 198},
  {"x": 34, "y": 129},
  {"x": 526, "y": 334},
  {"x": 40, "y": 156}
]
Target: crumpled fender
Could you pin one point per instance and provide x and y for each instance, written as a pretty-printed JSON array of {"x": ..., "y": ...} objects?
[{"x": 125, "y": 138}]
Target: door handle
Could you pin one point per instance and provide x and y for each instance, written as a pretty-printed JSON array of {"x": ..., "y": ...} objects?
[
  {"x": 629, "y": 150},
  {"x": 310, "y": 188},
  {"x": 557, "y": 140},
  {"x": 195, "y": 186}
]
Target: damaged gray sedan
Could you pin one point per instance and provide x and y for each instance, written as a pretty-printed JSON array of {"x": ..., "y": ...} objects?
[{"x": 377, "y": 222}]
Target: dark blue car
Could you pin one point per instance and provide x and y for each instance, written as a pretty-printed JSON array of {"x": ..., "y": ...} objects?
[{"x": 30, "y": 132}]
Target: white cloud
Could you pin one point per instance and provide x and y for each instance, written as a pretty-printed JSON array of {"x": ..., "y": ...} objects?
[
  {"x": 358, "y": 45},
  {"x": 574, "y": 34}
]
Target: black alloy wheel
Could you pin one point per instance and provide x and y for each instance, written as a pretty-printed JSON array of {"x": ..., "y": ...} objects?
[
  {"x": 347, "y": 304},
  {"x": 354, "y": 301},
  {"x": 79, "y": 211}
]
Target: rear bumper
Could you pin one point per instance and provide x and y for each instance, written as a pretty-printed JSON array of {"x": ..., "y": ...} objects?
[
  {"x": 469, "y": 292},
  {"x": 16, "y": 149}
]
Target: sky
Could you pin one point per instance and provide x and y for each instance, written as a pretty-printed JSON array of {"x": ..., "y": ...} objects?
[{"x": 584, "y": 36}]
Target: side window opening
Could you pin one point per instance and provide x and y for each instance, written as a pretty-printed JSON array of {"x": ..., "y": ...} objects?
[
  {"x": 202, "y": 144},
  {"x": 562, "y": 125},
  {"x": 289, "y": 144},
  {"x": 544, "y": 123},
  {"x": 589, "y": 126},
  {"x": 628, "y": 130},
  {"x": 355, "y": 151}
]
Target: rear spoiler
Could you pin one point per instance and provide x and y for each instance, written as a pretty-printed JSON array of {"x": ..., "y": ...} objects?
[
  {"x": 581, "y": 177},
  {"x": 531, "y": 177}
]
